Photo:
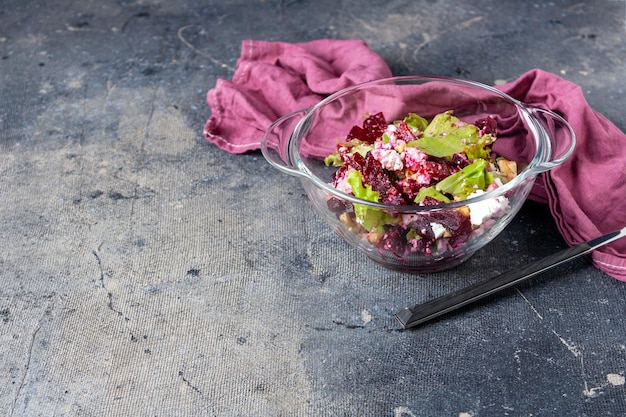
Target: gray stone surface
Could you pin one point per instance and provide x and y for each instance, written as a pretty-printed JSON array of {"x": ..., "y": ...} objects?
[{"x": 144, "y": 272}]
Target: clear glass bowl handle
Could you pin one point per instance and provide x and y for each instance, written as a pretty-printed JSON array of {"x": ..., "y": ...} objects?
[
  {"x": 560, "y": 137},
  {"x": 275, "y": 143}
]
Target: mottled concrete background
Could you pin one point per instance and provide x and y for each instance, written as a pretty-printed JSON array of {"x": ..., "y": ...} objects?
[{"x": 143, "y": 272}]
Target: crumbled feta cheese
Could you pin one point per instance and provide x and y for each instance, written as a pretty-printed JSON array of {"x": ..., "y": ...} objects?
[
  {"x": 438, "y": 229},
  {"x": 483, "y": 210},
  {"x": 390, "y": 159}
]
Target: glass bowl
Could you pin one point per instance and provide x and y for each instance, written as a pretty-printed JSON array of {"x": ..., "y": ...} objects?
[{"x": 536, "y": 139}]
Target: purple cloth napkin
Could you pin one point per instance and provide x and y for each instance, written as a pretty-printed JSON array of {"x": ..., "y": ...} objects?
[
  {"x": 586, "y": 194},
  {"x": 276, "y": 78}
]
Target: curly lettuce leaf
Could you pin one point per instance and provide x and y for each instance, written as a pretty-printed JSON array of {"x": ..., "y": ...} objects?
[{"x": 479, "y": 148}]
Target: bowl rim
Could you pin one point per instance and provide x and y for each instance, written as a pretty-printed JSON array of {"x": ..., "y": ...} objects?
[{"x": 529, "y": 173}]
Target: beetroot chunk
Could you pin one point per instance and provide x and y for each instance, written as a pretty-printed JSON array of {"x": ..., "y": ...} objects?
[
  {"x": 438, "y": 171},
  {"x": 394, "y": 241},
  {"x": 375, "y": 175},
  {"x": 373, "y": 128},
  {"x": 488, "y": 125},
  {"x": 454, "y": 221}
]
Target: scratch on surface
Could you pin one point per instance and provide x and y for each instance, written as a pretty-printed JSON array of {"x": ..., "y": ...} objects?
[
  {"x": 184, "y": 40},
  {"x": 71, "y": 28},
  {"x": 141, "y": 153},
  {"x": 27, "y": 366},
  {"x": 110, "y": 89},
  {"x": 575, "y": 351},
  {"x": 528, "y": 302},
  {"x": 365, "y": 24},
  {"x": 575, "y": 8},
  {"x": 518, "y": 361},
  {"x": 588, "y": 392},
  {"x": 403, "y": 411},
  {"x": 428, "y": 38},
  {"x": 101, "y": 281},
  {"x": 181, "y": 374},
  {"x": 99, "y": 267}
]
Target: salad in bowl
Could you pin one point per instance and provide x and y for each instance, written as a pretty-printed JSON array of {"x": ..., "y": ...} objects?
[{"x": 418, "y": 173}]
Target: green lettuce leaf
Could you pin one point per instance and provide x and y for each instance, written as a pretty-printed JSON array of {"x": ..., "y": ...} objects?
[
  {"x": 368, "y": 217},
  {"x": 432, "y": 193},
  {"x": 440, "y": 147},
  {"x": 416, "y": 122},
  {"x": 465, "y": 181},
  {"x": 333, "y": 160},
  {"x": 446, "y": 135}
]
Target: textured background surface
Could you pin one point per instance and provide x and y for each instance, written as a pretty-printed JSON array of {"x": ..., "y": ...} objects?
[{"x": 146, "y": 273}]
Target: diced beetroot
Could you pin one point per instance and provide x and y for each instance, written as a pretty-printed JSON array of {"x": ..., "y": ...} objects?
[
  {"x": 377, "y": 178},
  {"x": 456, "y": 222},
  {"x": 429, "y": 201},
  {"x": 459, "y": 161},
  {"x": 373, "y": 128},
  {"x": 438, "y": 171},
  {"x": 457, "y": 241},
  {"x": 394, "y": 241},
  {"x": 336, "y": 205},
  {"x": 357, "y": 163},
  {"x": 421, "y": 245},
  {"x": 422, "y": 227},
  {"x": 410, "y": 188},
  {"x": 359, "y": 133},
  {"x": 376, "y": 124},
  {"x": 488, "y": 125}
]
